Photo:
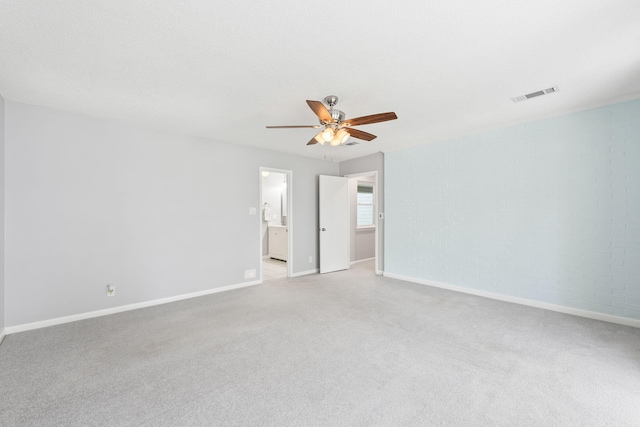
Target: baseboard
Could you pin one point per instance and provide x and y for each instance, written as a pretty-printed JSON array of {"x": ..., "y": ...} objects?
[
  {"x": 362, "y": 260},
  {"x": 305, "y": 273},
  {"x": 2, "y": 335},
  {"x": 523, "y": 301},
  {"x": 98, "y": 313}
]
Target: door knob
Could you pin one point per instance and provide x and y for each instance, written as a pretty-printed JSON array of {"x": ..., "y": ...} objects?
[{"x": 324, "y": 229}]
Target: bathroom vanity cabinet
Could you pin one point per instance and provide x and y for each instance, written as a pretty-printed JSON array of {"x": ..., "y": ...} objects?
[{"x": 278, "y": 242}]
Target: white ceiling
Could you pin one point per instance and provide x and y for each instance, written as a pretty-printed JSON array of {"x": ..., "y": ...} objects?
[{"x": 225, "y": 69}]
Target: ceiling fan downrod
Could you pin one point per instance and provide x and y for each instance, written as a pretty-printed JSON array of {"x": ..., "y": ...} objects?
[{"x": 337, "y": 115}]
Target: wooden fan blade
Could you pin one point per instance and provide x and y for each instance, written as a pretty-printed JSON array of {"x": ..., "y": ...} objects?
[
  {"x": 295, "y": 127},
  {"x": 356, "y": 133},
  {"x": 321, "y": 111},
  {"x": 313, "y": 141},
  {"x": 374, "y": 118}
]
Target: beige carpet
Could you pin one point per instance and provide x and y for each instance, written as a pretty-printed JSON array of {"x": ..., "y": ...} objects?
[{"x": 343, "y": 349}]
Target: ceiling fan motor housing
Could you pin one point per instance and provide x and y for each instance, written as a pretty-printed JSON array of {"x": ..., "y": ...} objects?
[{"x": 337, "y": 115}]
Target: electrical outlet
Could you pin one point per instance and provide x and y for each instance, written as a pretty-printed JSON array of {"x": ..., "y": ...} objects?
[
  {"x": 252, "y": 211},
  {"x": 250, "y": 274},
  {"x": 310, "y": 259},
  {"x": 111, "y": 290}
]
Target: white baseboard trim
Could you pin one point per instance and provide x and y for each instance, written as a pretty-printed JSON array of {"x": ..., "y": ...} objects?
[
  {"x": 362, "y": 260},
  {"x": 2, "y": 335},
  {"x": 523, "y": 301},
  {"x": 305, "y": 273},
  {"x": 88, "y": 315}
]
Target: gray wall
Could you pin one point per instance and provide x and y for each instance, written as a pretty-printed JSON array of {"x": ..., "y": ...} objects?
[
  {"x": 2, "y": 303},
  {"x": 548, "y": 210},
  {"x": 93, "y": 202},
  {"x": 372, "y": 162}
]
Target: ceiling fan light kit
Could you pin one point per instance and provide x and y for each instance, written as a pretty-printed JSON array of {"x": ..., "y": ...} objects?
[
  {"x": 327, "y": 134},
  {"x": 335, "y": 129},
  {"x": 342, "y": 135}
]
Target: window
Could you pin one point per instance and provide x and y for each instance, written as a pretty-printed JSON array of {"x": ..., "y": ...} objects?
[{"x": 365, "y": 205}]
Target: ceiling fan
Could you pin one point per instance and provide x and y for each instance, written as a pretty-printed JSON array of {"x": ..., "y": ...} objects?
[{"x": 335, "y": 129}]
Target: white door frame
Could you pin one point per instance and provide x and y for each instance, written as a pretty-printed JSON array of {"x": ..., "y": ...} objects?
[
  {"x": 375, "y": 212},
  {"x": 289, "y": 175}
]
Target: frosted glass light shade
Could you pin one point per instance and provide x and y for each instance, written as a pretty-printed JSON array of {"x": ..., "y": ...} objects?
[
  {"x": 327, "y": 134},
  {"x": 342, "y": 136}
]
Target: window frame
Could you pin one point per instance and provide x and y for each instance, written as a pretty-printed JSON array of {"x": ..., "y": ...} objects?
[{"x": 371, "y": 185}]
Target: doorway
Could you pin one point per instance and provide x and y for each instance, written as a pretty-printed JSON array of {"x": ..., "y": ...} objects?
[
  {"x": 344, "y": 239},
  {"x": 275, "y": 224},
  {"x": 363, "y": 220}
]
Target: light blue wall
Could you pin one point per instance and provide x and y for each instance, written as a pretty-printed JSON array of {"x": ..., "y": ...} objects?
[{"x": 548, "y": 211}]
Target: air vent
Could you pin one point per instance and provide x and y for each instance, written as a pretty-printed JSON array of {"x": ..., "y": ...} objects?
[{"x": 535, "y": 94}]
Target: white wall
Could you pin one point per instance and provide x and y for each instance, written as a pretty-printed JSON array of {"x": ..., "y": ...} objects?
[
  {"x": 2, "y": 167},
  {"x": 372, "y": 162},
  {"x": 548, "y": 211},
  {"x": 91, "y": 202}
]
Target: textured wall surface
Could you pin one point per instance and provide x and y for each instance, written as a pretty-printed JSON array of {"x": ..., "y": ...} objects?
[{"x": 548, "y": 210}]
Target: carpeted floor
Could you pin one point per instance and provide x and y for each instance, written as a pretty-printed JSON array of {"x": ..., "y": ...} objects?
[{"x": 342, "y": 349}]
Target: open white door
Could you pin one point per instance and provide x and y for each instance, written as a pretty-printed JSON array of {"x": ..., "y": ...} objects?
[{"x": 334, "y": 223}]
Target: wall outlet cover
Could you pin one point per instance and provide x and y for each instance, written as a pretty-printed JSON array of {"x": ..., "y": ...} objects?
[{"x": 250, "y": 274}]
